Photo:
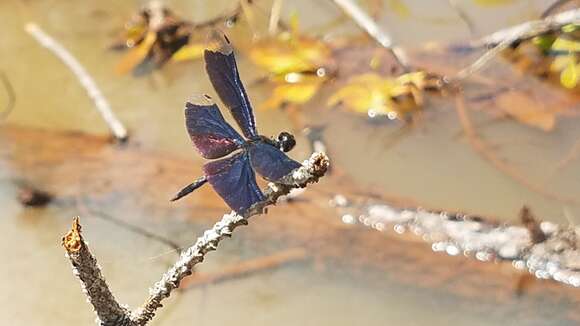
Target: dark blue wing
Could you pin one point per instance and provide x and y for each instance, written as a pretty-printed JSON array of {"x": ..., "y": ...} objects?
[
  {"x": 210, "y": 133},
  {"x": 270, "y": 162},
  {"x": 234, "y": 180},
  {"x": 221, "y": 67}
]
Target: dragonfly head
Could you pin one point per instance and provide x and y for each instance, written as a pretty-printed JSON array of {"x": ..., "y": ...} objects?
[{"x": 286, "y": 141}]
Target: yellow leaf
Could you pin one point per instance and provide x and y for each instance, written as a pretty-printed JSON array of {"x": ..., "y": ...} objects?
[
  {"x": 188, "y": 52},
  {"x": 366, "y": 93},
  {"x": 400, "y": 8},
  {"x": 569, "y": 76},
  {"x": 291, "y": 94},
  {"x": 284, "y": 54},
  {"x": 526, "y": 110},
  {"x": 136, "y": 54}
]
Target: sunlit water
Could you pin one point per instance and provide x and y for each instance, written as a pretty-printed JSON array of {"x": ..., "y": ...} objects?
[{"x": 38, "y": 288}]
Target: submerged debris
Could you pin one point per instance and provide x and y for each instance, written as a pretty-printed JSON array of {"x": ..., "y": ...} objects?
[
  {"x": 556, "y": 257},
  {"x": 32, "y": 197}
]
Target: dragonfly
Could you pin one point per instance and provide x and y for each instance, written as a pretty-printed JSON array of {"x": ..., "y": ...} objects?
[{"x": 235, "y": 158}]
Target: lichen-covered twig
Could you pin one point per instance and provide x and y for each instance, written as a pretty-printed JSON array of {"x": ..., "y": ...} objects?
[
  {"x": 85, "y": 267},
  {"x": 110, "y": 312},
  {"x": 118, "y": 130},
  {"x": 546, "y": 250},
  {"x": 375, "y": 31}
]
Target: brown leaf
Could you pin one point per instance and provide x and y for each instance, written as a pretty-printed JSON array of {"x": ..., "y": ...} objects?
[{"x": 527, "y": 110}]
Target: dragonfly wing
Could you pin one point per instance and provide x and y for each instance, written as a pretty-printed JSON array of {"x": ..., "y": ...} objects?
[
  {"x": 234, "y": 180},
  {"x": 222, "y": 69},
  {"x": 270, "y": 162},
  {"x": 210, "y": 133}
]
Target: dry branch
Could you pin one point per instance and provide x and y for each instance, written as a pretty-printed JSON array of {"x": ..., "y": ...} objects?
[
  {"x": 110, "y": 312},
  {"x": 551, "y": 253},
  {"x": 118, "y": 130},
  {"x": 502, "y": 39},
  {"x": 530, "y": 29},
  {"x": 85, "y": 267}
]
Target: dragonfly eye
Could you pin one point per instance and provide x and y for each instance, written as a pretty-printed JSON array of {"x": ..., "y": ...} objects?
[{"x": 286, "y": 141}]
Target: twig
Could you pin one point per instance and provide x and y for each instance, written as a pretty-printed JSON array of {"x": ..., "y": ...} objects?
[
  {"x": 533, "y": 225},
  {"x": 570, "y": 156},
  {"x": 116, "y": 127},
  {"x": 11, "y": 96},
  {"x": 554, "y": 256},
  {"x": 485, "y": 151},
  {"x": 366, "y": 22},
  {"x": 275, "y": 17},
  {"x": 107, "y": 308},
  {"x": 553, "y": 7},
  {"x": 501, "y": 40},
  {"x": 86, "y": 268},
  {"x": 462, "y": 15},
  {"x": 245, "y": 268},
  {"x": 530, "y": 29}
]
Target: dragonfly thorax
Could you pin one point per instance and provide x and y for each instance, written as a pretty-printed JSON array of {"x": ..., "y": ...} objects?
[{"x": 285, "y": 141}]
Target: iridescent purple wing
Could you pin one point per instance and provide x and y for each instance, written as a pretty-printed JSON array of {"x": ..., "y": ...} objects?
[
  {"x": 211, "y": 134},
  {"x": 234, "y": 180},
  {"x": 270, "y": 162},
  {"x": 221, "y": 67}
]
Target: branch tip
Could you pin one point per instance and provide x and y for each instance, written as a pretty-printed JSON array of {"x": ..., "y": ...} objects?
[{"x": 72, "y": 241}]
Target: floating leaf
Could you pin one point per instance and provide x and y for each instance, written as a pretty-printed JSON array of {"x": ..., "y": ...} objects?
[
  {"x": 188, "y": 52},
  {"x": 374, "y": 95},
  {"x": 299, "y": 94},
  {"x": 136, "y": 55},
  {"x": 569, "y": 76},
  {"x": 526, "y": 110},
  {"x": 284, "y": 54}
]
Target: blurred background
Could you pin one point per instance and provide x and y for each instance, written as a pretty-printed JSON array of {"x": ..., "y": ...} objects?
[{"x": 311, "y": 72}]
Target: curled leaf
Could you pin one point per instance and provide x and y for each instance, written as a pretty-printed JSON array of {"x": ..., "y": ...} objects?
[{"x": 374, "y": 95}]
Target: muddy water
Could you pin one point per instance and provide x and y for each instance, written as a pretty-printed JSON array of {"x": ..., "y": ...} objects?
[{"x": 430, "y": 165}]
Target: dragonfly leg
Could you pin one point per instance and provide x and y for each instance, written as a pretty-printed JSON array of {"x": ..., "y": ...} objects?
[{"x": 190, "y": 188}]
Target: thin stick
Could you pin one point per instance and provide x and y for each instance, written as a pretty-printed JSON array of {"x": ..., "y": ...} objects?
[
  {"x": 483, "y": 149},
  {"x": 116, "y": 127},
  {"x": 532, "y": 28},
  {"x": 275, "y": 17},
  {"x": 244, "y": 268},
  {"x": 368, "y": 24},
  {"x": 462, "y": 15},
  {"x": 502, "y": 39},
  {"x": 105, "y": 305}
]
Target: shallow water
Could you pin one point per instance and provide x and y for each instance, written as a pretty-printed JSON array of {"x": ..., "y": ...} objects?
[{"x": 425, "y": 165}]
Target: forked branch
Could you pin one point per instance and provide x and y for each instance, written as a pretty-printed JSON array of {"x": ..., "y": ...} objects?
[{"x": 110, "y": 312}]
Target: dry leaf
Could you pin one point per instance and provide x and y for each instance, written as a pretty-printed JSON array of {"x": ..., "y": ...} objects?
[
  {"x": 136, "y": 55},
  {"x": 188, "y": 52},
  {"x": 526, "y": 110},
  {"x": 374, "y": 95}
]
